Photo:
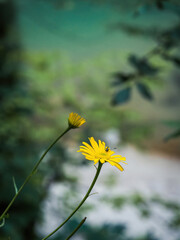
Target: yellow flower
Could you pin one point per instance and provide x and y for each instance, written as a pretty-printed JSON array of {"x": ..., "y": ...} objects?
[
  {"x": 99, "y": 152},
  {"x": 75, "y": 120}
]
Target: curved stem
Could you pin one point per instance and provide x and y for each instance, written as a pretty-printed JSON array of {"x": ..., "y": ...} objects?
[
  {"x": 32, "y": 173},
  {"x": 81, "y": 203},
  {"x": 76, "y": 229}
]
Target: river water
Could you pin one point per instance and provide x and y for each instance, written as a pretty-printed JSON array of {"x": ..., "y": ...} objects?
[{"x": 148, "y": 174}]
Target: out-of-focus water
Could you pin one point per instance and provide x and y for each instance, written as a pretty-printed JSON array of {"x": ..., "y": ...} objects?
[
  {"x": 148, "y": 174},
  {"x": 81, "y": 29}
]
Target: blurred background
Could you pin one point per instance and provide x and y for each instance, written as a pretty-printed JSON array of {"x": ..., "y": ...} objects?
[{"x": 116, "y": 63}]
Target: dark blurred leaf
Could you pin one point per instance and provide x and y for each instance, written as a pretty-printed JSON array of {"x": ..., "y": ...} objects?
[
  {"x": 175, "y": 134},
  {"x": 122, "y": 96},
  {"x": 166, "y": 42},
  {"x": 170, "y": 38},
  {"x": 121, "y": 78},
  {"x": 173, "y": 59},
  {"x": 144, "y": 91},
  {"x": 160, "y": 4},
  {"x": 176, "y": 60},
  {"x": 142, "y": 65}
]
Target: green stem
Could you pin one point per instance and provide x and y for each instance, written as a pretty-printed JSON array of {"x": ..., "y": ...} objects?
[
  {"x": 32, "y": 173},
  {"x": 81, "y": 203},
  {"x": 76, "y": 229}
]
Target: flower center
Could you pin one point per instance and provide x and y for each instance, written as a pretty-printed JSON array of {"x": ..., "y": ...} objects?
[{"x": 103, "y": 155}]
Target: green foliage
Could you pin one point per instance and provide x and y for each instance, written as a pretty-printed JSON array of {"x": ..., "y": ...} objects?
[
  {"x": 174, "y": 134},
  {"x": 175, "y": 222},
  {"x": 172, "y": 124},
  {"x": 52, "y": 105},
  {"x": 171, "y": 206},
  {"x": 142, "y": 66},
  {"x": 167, "y": 41},
  {"x": 148, "y": 236},
  {"x": 142, "y": 204},
  {"x": 118, "y": 202},
  {"x": 122, "y": 96},
  {"x": 144, "y": 91}
]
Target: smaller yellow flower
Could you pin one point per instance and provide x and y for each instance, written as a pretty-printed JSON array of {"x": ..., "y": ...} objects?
[
  {"x": 75, "y": 120},
  {"x": 99, "y": 152}
]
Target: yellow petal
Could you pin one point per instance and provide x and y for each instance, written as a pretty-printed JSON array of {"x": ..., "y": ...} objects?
[
  {"x": 88, "y": 146},
  {"x": 97, "y": 151},
  {"x": 75, "y": 120},
  {"x": 96, "y": 161},
  {"x": 116, "y": 165},
  {"x": 94, "y": 144}
]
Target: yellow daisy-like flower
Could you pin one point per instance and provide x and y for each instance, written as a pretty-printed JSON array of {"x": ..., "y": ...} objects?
[
  {"x": 99, "y": 152},
  {"x": 75, "y": 120}
]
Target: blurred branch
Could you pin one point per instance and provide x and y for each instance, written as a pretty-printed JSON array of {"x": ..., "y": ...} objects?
[{"x": 166, "y": 41}]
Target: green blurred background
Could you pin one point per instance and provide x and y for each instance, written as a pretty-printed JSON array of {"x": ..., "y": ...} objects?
[{"x": 117, "y": 64}]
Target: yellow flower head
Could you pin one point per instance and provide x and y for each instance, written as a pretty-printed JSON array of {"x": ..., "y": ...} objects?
[
  {"x": 75, "y": 120},
  {"x": 99, "y": 152}
]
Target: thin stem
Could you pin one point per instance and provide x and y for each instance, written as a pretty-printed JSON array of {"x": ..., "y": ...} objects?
[
  {"x": 32, "y": 173},
  {"x": 77, "y": 228},
  {"x": 81, "y": 203}
]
